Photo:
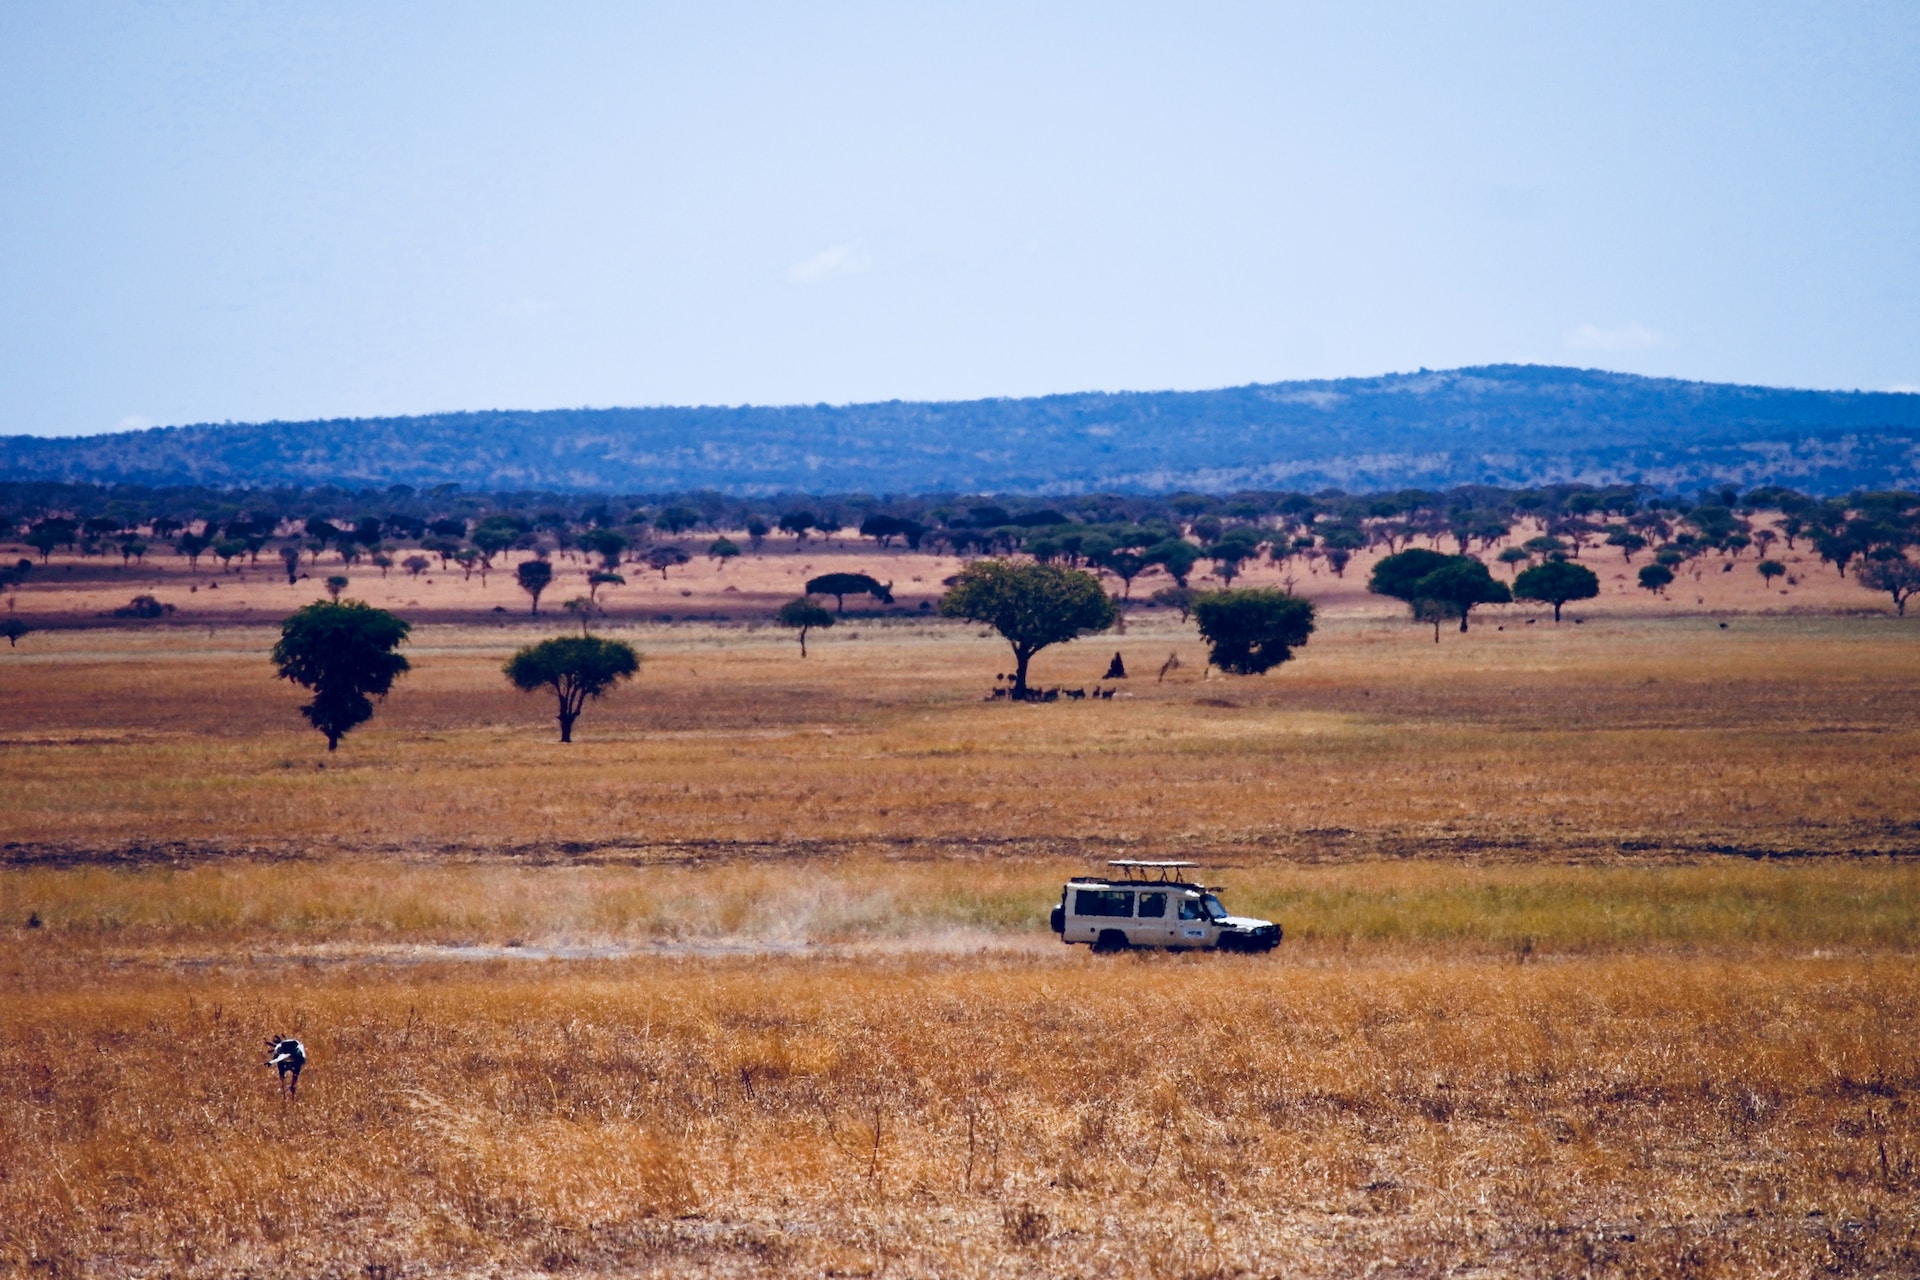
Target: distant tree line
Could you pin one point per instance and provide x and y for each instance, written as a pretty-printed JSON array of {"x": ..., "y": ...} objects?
[{"x": 1870, "y": 534}]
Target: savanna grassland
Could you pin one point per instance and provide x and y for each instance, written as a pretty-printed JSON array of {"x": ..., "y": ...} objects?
[{"x": 1600, "y": 958}]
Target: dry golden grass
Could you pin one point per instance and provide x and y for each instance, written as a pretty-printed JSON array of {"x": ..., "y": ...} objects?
[
  {"x": 1775, "y": 735},
  {"x": 1173, "y": 1116},
  {"x": 1532, "y": 1016},
  {"x": 340, "y": 907}
]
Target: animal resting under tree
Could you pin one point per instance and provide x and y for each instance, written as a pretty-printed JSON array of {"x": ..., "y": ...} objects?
[{"x": 1032, "y": 605}]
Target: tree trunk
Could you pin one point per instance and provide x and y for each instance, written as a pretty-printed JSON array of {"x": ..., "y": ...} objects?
[
  {"x": 566, "y": 727},
  {"x": 1020, "y": 659},
  {"x": 803, "y": 642},
  {"x": 1556, "y": 612}
]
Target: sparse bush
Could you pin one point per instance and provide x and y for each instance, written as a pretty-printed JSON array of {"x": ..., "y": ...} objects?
[{"x": 1252, "y": 630}]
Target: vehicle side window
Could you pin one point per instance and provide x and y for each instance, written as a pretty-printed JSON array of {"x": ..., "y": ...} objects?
[
  {"x": 1102, "y": 902},
  {"x": 1153, "y": 906},
  {"x": 1190, "y": 909}
]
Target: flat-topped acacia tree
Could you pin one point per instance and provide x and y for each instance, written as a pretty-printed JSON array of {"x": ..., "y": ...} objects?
[
  {"x": 575, "y": 668},
  {"x": 1032, "y": 605},
  {"x": 1557, "y": 582},
  {"x": 344, "y": 651}
]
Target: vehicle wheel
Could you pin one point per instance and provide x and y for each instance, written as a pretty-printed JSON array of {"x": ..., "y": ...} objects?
[
  {"x": 1228, "y": 942},
  {"x": 1057, "y": 920},
  {"x": 1110, "y": 941}
]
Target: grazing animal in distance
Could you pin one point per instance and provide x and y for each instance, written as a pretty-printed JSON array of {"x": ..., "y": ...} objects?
[
  {"x": 1106, "y": 695},
  {"x": 1171, "y": 664},
  {"x": 1075, "y": 694},
  {"x": 289, "y": 1055}
]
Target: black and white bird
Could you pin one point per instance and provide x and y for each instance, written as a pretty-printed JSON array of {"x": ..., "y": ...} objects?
[{"x": 289, "y": 1055}]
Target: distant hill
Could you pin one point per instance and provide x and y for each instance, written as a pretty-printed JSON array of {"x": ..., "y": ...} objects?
[{"x": 1499, "y": 424}]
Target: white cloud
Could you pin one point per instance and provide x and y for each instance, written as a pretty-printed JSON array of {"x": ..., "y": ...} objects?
[
  {"x": 133, "y": 422},
  {"x": 1628, "y": 337},
  {"x": 840, "y": 260}
]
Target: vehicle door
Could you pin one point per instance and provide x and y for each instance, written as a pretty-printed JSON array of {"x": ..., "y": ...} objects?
[
  {"x": 1153, "y": 920},
  {"x": 1190, "y": 926},
  {"x": 1095, "y": 909}
]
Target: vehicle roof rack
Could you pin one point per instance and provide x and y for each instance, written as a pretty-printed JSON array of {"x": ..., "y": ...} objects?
[{"x": 1164, "y": 870}]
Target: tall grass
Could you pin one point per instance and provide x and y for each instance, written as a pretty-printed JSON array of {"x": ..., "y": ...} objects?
[
  {"x": 1722, "y": 904},
  {"x": 1618, "y": 1115}
]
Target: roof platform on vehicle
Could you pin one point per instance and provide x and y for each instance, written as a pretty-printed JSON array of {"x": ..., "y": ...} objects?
[{"x": 1140, "y": 870}]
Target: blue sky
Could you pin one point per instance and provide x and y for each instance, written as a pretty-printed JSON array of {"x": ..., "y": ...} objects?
[{"x": 249, "y": 211}]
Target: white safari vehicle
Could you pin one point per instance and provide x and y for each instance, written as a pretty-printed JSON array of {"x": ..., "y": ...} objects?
[{"x": 1154, "y": 904}]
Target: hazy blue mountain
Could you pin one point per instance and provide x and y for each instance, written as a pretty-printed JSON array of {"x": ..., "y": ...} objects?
[{"x": 1501, "y": 424}]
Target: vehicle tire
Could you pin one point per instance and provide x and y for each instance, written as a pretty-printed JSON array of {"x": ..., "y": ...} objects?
[
  {"x": 1110, "y": 941},
  {"x": 1229, "y": 942},
  {"x": 1057, "y": 920}
]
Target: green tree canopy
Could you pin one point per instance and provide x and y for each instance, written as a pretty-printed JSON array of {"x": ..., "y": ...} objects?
[
  {"x": 608, "y": 544},
  {"x": 535, "y": 576},
  {"x": 1177, "y": 556},
  {"x": 1895, "y": 575},
  {"x": 1655, "y": 578},
  {"x": 1253, "y": 629},
  {"x": 803, "y": 615},
  {"x": 1462, "y": 583},
  {"x": 575, "y": 668},
  {"x": 344, "y": 651},
  {"x": 1396, "y": 575},
  {"x": 842, "y": 585},
  {"x": 1032, "y": 605},
  {"x": 665, "y": 558},
  {"x": 1556, "y": 582}
]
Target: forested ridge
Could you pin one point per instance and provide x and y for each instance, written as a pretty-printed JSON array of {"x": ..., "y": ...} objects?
[{"x": 1514, "y": 425}]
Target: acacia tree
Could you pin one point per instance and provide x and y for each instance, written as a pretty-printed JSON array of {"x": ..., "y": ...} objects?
[
  {"x": 1461, "y": 583},
  {"x": 1254, "y": 629},
  {"x": 665, "y": 558},
  {"x": 1899, "y": 578},
  {"x": 842, "y": 585},
  {"x": 1556, "y": 583},
  {"x": 535, "y": 576},
  {"x": 1032, "y": 605},
  {"x": 1395, "y": 575},
  {"x": 575, "y": 668},
  {"x": 344, "y": 651},
  {"x": 608, "y": 544},
  {"x": 803, "y": 615}
]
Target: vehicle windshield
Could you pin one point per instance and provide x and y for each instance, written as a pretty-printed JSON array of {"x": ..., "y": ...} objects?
[{"x": 1213, "y": 908}]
